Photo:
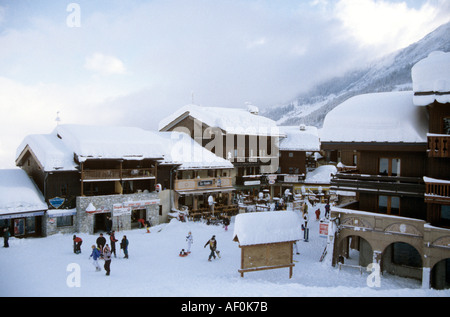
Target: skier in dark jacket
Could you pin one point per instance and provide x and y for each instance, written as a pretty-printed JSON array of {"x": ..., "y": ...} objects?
[
  {"x": 113, "y": 242},
  {"x": 101, "y": 241},
  {"x": 212, "y": 246},
  {"x": 124, "y": 246},
  {"x": 6, "y": 236}
]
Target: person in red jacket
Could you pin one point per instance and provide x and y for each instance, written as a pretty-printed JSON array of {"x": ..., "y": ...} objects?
[{"x": 77, "y": 241}]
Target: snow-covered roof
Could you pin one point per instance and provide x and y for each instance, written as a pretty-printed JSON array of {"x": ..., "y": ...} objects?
[
  {"x": 376, "y": 117},
  {"x": 50, "y": 151},
  {"x": 321, "y": 175},
  {"x": 18, "y": 193},
  {"x": 431, "y": 79},
  {"x": 299, "y": 138},
  {"x": 231, "y": 120},
  {"x": 111, "y": 142},
  {"x": 267, "y": 227},
  {"x": 55, "y": 151},
  {"x": 182, "y": 149}
]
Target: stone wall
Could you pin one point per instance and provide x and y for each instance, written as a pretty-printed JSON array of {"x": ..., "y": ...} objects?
[{"x": 105, "y": 204}]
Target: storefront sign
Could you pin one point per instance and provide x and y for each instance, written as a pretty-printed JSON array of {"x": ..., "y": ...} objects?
[
  {"x": 272, "y": 178},
  {"x": 205, "y": 183},
  {"x": 251, "y": 183},
  {"x": 101, "y": 210},
  {"x": 126, "y": 207},
  {"x": 323, "y": 229},
  {"x": 291, "y": 178},
  {"x": 56, "y": 202},
  {"x": 120, "y": 210}
]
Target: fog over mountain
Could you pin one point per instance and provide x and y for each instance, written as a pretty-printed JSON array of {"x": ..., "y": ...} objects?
[{"x": 390, "y": 73}]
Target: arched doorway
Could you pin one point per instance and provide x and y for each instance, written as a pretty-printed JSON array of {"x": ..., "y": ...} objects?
[
  {"x": 355, "y": 250},
  {"x": 402, "y": 259},
  {"x": 440, "y": 275}
]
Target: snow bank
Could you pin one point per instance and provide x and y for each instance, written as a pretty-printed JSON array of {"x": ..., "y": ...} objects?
[
  {"x": 377, "y": 117},
  {"x": 431, "y": 77},
  {"x": 321, "y": 175},
  {"x": 267, "y": 227}
]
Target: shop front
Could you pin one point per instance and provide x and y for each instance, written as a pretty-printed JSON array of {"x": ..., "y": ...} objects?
[{"x": 23, "y": 225}]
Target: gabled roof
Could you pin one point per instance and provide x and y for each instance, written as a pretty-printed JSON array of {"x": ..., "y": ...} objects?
[
  {"x": 267, "y": 227},
  {"x": 18, "y": 193},
  {"x": 431, "y": 79},
  {"x": 389, "y": 117},
  {"x": 230, "y": 120}
]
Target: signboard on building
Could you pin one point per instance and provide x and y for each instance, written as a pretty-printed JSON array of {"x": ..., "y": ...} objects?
[{"x": 323, "y": 229}]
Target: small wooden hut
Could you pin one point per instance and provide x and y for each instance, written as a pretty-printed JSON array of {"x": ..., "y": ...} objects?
[{"x": 266, "y": 240}]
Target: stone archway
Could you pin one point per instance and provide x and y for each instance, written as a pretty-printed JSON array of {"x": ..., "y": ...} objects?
[
  {"x": 354, "y": 250},
  {"x": 402, "y": 259},
  {"x": 440, "y": 275}
]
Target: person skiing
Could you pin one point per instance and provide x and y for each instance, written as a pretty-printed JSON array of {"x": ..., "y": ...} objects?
[
  {"x": 212, "y": 246},
  {"x": 124, "y": 246},
  {"x": 95, "y": 255},
  {"x": 107, "y": 258},
  {"x": 101, "y": 241},
  {"x": 77, "y": 241},
  {"x": 113, "y": 240},
  {"x": 6, "y": 236},
  {"x": 190, "y": 240}
]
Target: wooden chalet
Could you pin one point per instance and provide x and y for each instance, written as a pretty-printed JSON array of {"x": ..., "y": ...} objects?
[
  {"x": 241, "y": 136},
  {"x": 76, "y": 166},
  {"x": 197, "y": 175},
  {"x": 391, "y": 150}
]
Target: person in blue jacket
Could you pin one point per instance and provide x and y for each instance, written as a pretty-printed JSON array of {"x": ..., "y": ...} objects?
[{"x": 95, "y": 255}]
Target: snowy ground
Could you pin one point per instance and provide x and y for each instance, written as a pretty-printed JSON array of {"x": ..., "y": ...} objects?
[{"x": 39, "y": 267}]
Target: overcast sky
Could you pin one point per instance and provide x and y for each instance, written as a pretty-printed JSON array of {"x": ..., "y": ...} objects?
[{"x": 133, "y": 62}]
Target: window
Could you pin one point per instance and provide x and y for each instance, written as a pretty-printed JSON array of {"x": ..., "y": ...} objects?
[
  {"x": 64, "y": 221},
  {"x": 389, "y": 166},
  {"x": 291, "y": 154},
  {"x": 446, "y": 125},
  {"x": 389, "y": 205}
]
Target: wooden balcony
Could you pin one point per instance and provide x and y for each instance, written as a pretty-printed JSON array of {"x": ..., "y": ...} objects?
[
  {"x": 437, "y": 191},
  {"x": 118, "y": 174},
  {"x": 202, "y": 183},
  {"x": 438, "y": 145},
  {"x": 381, "y": 185}
]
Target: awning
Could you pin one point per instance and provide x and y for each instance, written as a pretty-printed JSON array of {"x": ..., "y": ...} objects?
[
  {"x": 61, "y": 212},
  {"x": 22, "y": 215}
]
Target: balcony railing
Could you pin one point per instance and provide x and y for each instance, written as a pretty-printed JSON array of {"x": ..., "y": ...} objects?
[
  {"x": 117, "y": 174},
  {"x": 202, "y": 183},
  {"x": 382, "y": 185},
  {"x": 437, "y": 191},
  {"x": 438, "y": 145}
]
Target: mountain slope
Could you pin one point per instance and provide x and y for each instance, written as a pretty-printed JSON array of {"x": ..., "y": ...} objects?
[{"x": 388, "y": 74}]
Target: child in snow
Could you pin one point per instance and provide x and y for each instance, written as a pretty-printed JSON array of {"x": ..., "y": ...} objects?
[
  {"x": 183, "y": 253},
  {"x": 107, "y": 258},
  {"x": 124, "y": 246},
  {"x": 77, "y": 241},
  {"x": 226, "y": 223},
  {"x": 95, "y": 255},
  {"x": 190, "y": 240}
]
